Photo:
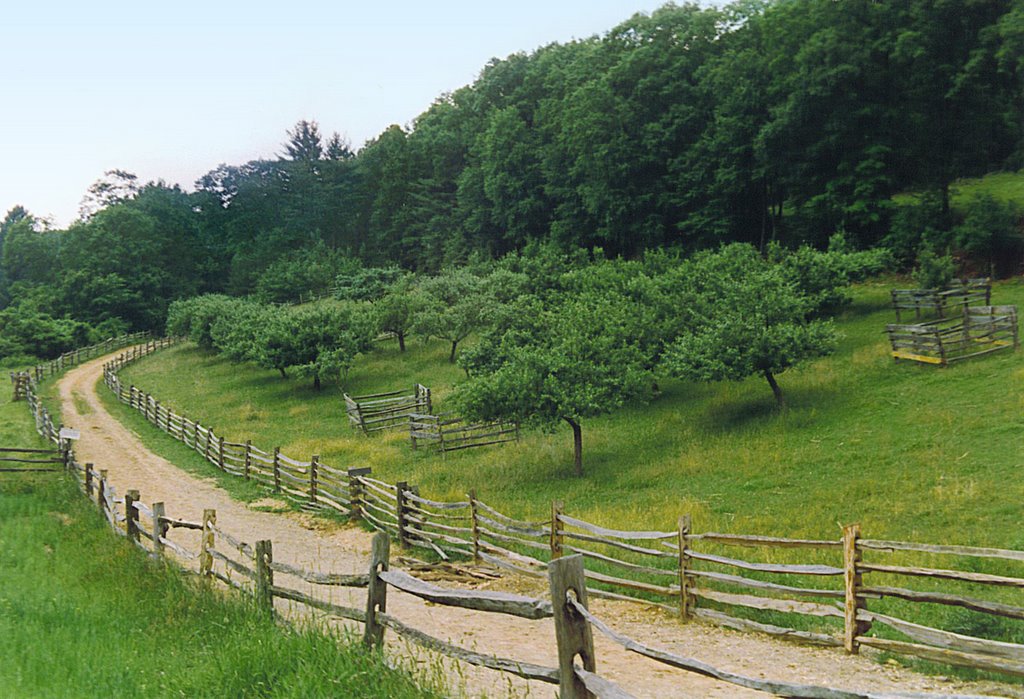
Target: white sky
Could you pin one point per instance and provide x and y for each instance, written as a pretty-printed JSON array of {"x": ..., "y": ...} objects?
[{"x": 172, "y": 90}]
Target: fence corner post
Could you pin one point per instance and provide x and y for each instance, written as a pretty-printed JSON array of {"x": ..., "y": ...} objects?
[
  {"x": 556, "y": 529},
  {"x": 207, "y": 543},
  {"x": 131, "y": 515},
  {"x": 314, "y": 467},
  {"x": 264, "y": 575},
  {"x": 572, "y": 631},
  {"x": 355, "y": 491},
  {"x": 684, "y": 588},
  {"x": 277, "y": 469},
  {"x": 400, "y": 507},
  {"x": 377, "y": 591},
  {"x": 852, "y": 627},
  {"x": 248, "y": 458},
  {"x": 158, "y": 527},
  {"x": 475, "y": 524}
]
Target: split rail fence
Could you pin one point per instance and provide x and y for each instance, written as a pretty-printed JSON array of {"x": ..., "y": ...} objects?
[
  {"x": 32, "y": 460},
  {"x": 386, "y": 411},
  {"x": 448, "y": 433},
  {"x": 959, "y": 295},
  {"x": 981, "y": 330},
  {"x": 816, "y": 596},
  {"x": 807, "y": 590}
]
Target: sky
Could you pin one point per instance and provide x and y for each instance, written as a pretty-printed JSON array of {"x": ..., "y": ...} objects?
[{"x": 171, "y": 90}]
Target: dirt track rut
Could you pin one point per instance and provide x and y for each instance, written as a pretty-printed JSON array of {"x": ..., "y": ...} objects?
[{"x": 306, "y": 541}]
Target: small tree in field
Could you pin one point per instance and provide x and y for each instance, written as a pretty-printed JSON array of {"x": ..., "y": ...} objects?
[
  {"x": 745, "y": 318},
  {"x": 569, "y": 363},
  {"x": 455, "y": 304},
  {"x": 396, "y": 311}
]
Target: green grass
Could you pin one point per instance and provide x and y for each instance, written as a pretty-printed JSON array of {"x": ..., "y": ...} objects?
[
  {"x": 1002, "y": 186},
  {"x": 904, "y": 449},
  {"x": 83, "y": 613},
  {"x": 911, "y": 452}
]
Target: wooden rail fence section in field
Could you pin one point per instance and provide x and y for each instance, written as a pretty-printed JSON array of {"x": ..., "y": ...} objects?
[
  {"x": 688, "y": 573},
  {"x": 15, "y": 460},
  {"x": 939, "y": 301},
  {"x": 386, "y": 411},
  {"x": 449, "y": 433},
  {"x": 980, "y": 330}
]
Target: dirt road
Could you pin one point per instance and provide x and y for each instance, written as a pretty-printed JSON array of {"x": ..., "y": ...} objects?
[{"x": 310, "y": 542}]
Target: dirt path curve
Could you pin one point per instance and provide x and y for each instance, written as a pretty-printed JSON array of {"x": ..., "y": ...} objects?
[{"x": 302, "y": 540}]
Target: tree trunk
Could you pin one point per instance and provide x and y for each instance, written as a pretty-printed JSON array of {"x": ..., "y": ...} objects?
[
  {"x": 577, "y": 443},
  {"x": 283, "y": 374},
  {"x": 775, "y": 389},
  {"x": 316, "y": 382},
  {"x": 451, "y": 357},
  {"x": 401, "y": 341}
]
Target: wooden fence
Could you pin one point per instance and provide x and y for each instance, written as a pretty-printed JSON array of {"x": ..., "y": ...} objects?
[
  {"x": 446, "y": 433},
  {"x": 385, "y": 411},
  {"x": 980, "y": 330},
  {"x": 32, "y": 460},
  {"x": 939, "y": 301},
  {"x": 817, "y": 584},
  {"x": 472, "y": 528}
]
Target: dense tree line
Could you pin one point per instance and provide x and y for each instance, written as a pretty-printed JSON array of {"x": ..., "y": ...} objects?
[{"x": 765, "y": 122}]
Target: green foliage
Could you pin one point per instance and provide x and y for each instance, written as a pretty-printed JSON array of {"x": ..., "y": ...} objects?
[
  {"x": 745, "y": 317},
  {"x": 367, "y": 283},
  {"x": 397, "y": 310},
  {"x": 455, "y": 304},
  {"x": 195, "y": 317},
  {"x": 304, "y": 274},
  {"x": 915, "y": 225},
  {"x": 991, "y": 234},
  {"x": 933, "y": 271}
]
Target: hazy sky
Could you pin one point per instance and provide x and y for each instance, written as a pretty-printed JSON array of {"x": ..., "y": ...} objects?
[{"x": 170, "y": 91}]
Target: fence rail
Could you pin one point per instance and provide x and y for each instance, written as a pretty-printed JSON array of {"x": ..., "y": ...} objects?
[
  {"x": 386, "y": 411},
  {"x": 693, "y": 574},
  {"x": 981, "y": 330},
  {"x": 960, "y": 295},
  {"x": 447, "y": 433}
]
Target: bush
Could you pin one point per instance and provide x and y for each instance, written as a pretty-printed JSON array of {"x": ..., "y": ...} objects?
[
  {"x": 914, "y": 226},
  {"x": 991, "y": 234},
  {"x": 303, "y": 274},
  {"x": 367, "y": 283},
  {"x": 933, "y": 271}
]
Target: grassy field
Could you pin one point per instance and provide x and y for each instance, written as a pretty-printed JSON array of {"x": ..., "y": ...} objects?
[
  {"x": 904, "y": 449},
  {"x": 1002, "y": 186},
  {"x": 82, "y": 613}
]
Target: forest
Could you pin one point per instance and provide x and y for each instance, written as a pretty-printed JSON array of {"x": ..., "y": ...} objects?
[{"x": 777, "y": 124}]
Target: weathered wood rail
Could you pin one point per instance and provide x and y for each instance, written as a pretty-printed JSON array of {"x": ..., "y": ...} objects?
[
  {"x": 387, "y": 411},
  {"x": 981, "y": 330},
  {"x": 939, "y": 301},
  {"x": 838, "y": 591},
  {"x": 447, "y": 433},
  {"x": 17, "y": 460}
]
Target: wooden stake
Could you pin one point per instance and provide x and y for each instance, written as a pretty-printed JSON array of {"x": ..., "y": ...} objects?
[
  {"x": 572, "y": 632},
  {"x": 852, "y": 582},
  {"x": 207, "y": 542},
  {"x": 355, "y": 491},
  {"x": 377, "y": 591},
  {"x": 313, "y": 469},
  {"x": 476, "y": 530},
  {"x": 684, "y": 592},
  {"x": 277, "y": 469},
  {"x": 102, "y": 486},
  {"x": 556, "y": 529},
  {"x": 248, "y": 458},
  {"x": 264, "y": 575},
  {"x": 88, "y": 479},
  {"x": 158, "y": 529},
  {"x": 131, "y": 515},
  {"x": 400, "y": 489}
]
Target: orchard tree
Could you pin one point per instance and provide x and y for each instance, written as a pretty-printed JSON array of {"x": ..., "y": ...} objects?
[
  {"x": 456, "y": 304},
  {"x": 745, "y": 318},
  {"x": 574, "y": 361},
  {"x": 397, "y": 310}
]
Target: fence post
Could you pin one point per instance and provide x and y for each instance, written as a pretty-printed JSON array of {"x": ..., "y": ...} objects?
[
  {"x": 476, "y": 530},
  {"x": 264, "y": 575},
  {"x": 88, "y": 479},
  {"x": 131, "y": 515},
  {"x": 277, "y": 469},
  {"x": 684, "y": 588},
  {"x": 572, "y": 631},
  {"x": 206, "y": 444},
  {"x": 400, "y": 488},
  {"x": 207, "y": 542},
  {"x": 220, "y": 451},
  {"x": 248, "y": 458},
  {"x": 852, "y": 582},
  {"x": 556, "y": 529},
  {"x": 313, "y": 468},
  {"x": 377, "y": 590},
  {"x": 355, "y": 491},
  {"x": 158, "y": 527},
  {"x": 101, "y": 500}
]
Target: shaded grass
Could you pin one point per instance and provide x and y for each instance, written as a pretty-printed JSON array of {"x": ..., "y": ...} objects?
[{"x": 82, "y": 613}]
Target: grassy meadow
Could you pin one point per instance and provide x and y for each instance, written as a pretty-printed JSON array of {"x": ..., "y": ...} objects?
[
  {"x": 84, "y": 613},
  {"x": 904, "y": 449}
]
